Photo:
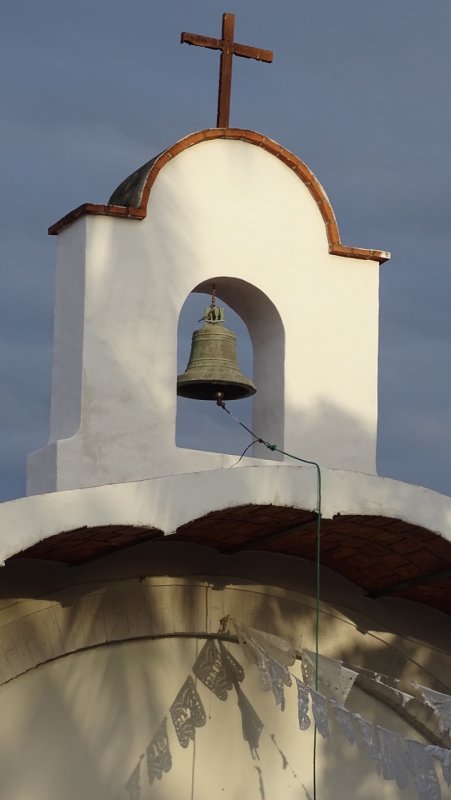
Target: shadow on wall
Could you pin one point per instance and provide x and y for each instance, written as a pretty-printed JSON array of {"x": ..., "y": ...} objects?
[{"x": 88, "y": 702}]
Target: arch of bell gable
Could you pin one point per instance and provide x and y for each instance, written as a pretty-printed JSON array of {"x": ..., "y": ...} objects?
[{"x": 130, "y": 199}]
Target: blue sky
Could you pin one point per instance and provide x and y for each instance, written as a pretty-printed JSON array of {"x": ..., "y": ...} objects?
[{"x": 358, "y": 90}]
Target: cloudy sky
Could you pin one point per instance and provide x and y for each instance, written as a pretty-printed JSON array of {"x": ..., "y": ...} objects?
[{"x": 359, "y": 90}]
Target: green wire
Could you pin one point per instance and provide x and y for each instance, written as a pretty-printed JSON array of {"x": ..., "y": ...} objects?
[
  {"x": 318, "y": 587},
  {"x": 276, "y": 449}
]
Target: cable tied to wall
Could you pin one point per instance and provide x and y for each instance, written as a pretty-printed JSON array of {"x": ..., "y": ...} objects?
[{"x": 273, "y": 447}]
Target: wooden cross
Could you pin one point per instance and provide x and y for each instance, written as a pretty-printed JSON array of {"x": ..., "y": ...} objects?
[{"x": 228, "y": 49}]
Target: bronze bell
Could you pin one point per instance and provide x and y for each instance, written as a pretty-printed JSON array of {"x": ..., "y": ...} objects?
[{"x": 213, "y": 372}]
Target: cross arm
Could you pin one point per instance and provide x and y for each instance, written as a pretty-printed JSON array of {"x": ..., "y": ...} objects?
[
  {"x": 201, "y": 41},
  {"x": 245, "y": 51},
  {"x": 242, "y": 50}
]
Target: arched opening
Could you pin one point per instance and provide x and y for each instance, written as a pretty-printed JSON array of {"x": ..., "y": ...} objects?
[{"x": 201, "y": 425}]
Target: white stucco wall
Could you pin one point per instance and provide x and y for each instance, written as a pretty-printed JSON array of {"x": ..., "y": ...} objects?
[
  {"x": 83, "y": 722},
  {"x": 225, "y": 209}
]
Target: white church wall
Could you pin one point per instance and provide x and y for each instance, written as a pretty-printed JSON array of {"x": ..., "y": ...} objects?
[
  {"x": 67, "y": 373},
  {"x": 83, "y": 722},
  {"x": 68, "y": 332},
  {"x": 220, "y": 208}
]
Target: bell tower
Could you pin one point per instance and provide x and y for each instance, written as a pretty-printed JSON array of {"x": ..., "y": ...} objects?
[
  {"x": 228, "y": 207},
  {"x": 225, "y": 207}
]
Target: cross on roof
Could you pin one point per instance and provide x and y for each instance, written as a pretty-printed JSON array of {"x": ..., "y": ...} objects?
[{"x": 228, "y": 49}]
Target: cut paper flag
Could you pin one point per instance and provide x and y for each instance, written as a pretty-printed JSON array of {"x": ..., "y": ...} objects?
[
  {"x": 420, "y": 764},
  {"x": 444, "y": 756},
  {"x": 279, "y": 676},
  {"x": 334, "y": 680},
  {"x": 345, "y": 720},
  {"x": 210, "y": 669},
  {"x": 271, "y": 656},
  {"x": 392, "y": 761},
  {"x": 303, "y": 704},
  {"x": 320, "y": 713},
  {"x": 187, "y": 712},
  {"x": 440, "y": 704},
  {"x": 158, "y": 754},
  {"x": 255, "y": 653},
  {"x": 371, "y": 741},
  {"x": 273, "y": 646}
]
